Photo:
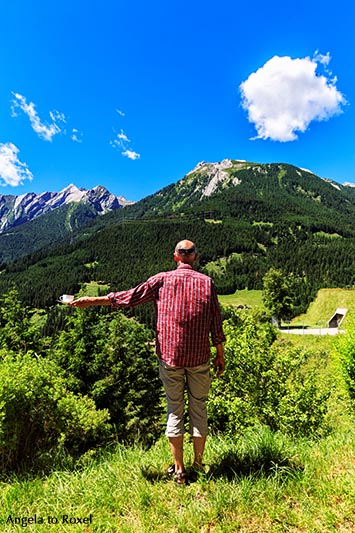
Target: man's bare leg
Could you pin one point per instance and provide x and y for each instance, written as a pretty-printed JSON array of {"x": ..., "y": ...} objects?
[
  {"x": 177, "y": 449},
  {"x": 199, "y": 446}
]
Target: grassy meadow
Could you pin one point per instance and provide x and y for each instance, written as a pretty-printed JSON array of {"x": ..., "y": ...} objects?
[
  {"x": 243, "y": 297},
  {"x": 256, "y": 482}
]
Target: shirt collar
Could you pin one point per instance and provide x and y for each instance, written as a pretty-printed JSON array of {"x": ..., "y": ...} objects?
[{"x": 185, "y": 265}]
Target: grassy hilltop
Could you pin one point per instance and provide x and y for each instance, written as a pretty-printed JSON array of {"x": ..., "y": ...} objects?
[
  {"x": 318, "y": 313},
  {"x": 325, "y": 305},
  {"x": 123, "y": 493},
  {"x": 256, "y": 481}
]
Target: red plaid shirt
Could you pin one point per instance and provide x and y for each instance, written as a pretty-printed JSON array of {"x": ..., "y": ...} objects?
[{"x": 187, "y": 312}]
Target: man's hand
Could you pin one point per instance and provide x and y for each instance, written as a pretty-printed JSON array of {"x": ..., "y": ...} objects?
[
  {"x": 88, "y": 301},
  {"x": 84, "y": 301},
  {"x": 219, "y": 363}
]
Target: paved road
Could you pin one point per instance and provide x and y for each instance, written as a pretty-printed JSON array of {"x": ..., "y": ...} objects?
[{"x": 315, "y": 331}]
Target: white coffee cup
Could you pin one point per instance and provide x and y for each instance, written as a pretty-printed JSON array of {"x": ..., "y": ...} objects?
[{"x": 66, "y": 298}]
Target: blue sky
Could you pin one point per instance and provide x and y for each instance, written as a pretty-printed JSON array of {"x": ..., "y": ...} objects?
[{"x": 132, "y": 95}]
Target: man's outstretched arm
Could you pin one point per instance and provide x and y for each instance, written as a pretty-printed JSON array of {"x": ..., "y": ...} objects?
[
  {"x": 89, "y": 301},
  {"x": 142, "y": 293}
]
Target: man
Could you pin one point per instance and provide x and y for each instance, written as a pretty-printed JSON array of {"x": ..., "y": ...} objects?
[{"x": 187, "y": 313}]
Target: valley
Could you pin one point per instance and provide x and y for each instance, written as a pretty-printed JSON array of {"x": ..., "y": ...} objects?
[
  {"x": 244, "y": 217},
  {"x": 282, "y": 434}
]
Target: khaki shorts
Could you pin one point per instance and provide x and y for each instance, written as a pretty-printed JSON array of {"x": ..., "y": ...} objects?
[{"x": 198, "y": 382}]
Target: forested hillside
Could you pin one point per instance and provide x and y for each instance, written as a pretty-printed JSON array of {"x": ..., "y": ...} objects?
[
  {"x": 244, "y": 217},
  {"x": 44, "y": 231}
]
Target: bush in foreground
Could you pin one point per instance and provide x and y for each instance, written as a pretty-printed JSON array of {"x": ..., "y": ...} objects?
[
  {"x": 40, "y": 419},
  {"x": 110, "y": 359},
  {"x": 265, "y": 383},
  {"x": 346, "y": 351}
]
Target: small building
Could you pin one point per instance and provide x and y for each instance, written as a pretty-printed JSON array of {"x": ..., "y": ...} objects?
[{"x": 337, "y": 318}]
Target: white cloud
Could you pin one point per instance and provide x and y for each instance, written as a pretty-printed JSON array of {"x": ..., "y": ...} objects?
[
  {"x": 321, "y": 58},
  {"x": 123, "y": 137},
  {"x": 76, "y": 136},
  {"x": 131, "y": 155},
  {"x": 12, "y": 170},
  {"x": 57, "y": 116},
  {"x": 116, "y": 144},
  {"x": 285, "y": 95},
  {"x": 45, "y": 131},
  {"x": 122, "y": 143}
]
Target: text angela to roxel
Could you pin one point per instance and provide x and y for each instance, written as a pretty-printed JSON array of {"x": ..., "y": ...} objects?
[{"x": 51, "y": 520}]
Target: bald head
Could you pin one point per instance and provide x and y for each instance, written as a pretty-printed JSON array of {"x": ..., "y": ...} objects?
[{"x": 185, "y": 252}]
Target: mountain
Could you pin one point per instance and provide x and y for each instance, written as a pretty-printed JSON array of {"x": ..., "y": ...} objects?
[
  {"x": 31, "y": 222},
  {"x": 244, "y": 217},
  {"x": 16, "y": 210},
  {"x": 250, "y": 191}
]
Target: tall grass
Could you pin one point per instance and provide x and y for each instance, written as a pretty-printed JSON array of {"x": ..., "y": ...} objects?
[{"x": 257, "y": 482}]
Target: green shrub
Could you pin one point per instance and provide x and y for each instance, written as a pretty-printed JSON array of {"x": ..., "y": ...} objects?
[
  {"x": 264, "y": 383},
  {"x": 21, "y": 328},
  {"x": 110, "y": 358},
  {"x": 302, "y": 409},
  {"x": 40, "y": 419},
  {"x": 346, "y": 350}
]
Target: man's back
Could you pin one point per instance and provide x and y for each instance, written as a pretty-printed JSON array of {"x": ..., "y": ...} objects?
[{"x": 187, "y": 312}]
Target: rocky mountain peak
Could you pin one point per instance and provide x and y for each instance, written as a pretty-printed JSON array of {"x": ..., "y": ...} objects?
[
  {"x": 16, "y": 210},
  {"x": 215, "y": 175}
]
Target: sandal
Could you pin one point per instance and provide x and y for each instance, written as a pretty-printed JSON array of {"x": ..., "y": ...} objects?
[
  {"x": 180, "y": 477},
  {"x": 171, "y": 470}
]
